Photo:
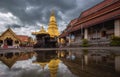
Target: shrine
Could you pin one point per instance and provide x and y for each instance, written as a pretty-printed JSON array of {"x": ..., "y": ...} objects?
[{"x": 47, "y": 39}]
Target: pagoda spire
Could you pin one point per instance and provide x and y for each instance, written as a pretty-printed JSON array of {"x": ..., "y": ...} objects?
[
  {"x": 52, "y": 13},
  {"x": 42, "y": 29},
  {"x": 52, "y": 26}
]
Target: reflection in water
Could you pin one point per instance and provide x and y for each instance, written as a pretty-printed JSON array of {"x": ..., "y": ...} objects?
[
  {"x": 10, "y": 58},
  {"x": 33, "y": 64},
  {"x": 95, "y": 63},
  {"x": 60, "y": 63}
]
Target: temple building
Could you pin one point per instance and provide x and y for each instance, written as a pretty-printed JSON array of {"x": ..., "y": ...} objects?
[
  {"x": 97, "y": 24},
  {"x": 9, "y": 39}
]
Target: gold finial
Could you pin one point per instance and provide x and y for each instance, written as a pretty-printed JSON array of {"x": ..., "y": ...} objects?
[
  {"x": 42, "y": 29},
  {"x": 52, "y": 13}
]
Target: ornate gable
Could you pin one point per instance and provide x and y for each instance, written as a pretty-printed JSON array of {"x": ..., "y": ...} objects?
[{"x": 9, "y": 34}]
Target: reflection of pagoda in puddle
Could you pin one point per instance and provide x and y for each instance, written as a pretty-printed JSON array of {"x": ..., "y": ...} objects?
[
  {"x": 9, "y": 59},
  {"x": 44, "y": 57},
  {"x": 48, "y": 58}
]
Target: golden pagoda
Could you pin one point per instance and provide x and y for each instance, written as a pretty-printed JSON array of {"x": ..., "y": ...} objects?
[
  {"x": 52, "y": 26},
  {"x": 47, "y": 39}
]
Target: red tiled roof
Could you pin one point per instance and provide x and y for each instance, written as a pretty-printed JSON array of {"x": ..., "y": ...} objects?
[
  {"x": 109, "y": 12},
  {"x": 63, "y": 34},
  {"x": 97, "y": 7},
  {"x": 73, "y": 21},
  {"x": 23, "y": 38},
  {"x": 114, "y": 6},
  {"x": 110, "y": 16}
]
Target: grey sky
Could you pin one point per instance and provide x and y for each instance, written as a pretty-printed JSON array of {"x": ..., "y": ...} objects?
[{"x": 26, "y": 16}]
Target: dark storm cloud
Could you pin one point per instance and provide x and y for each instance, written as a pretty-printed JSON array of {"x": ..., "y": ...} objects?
[
  {"x": 30, "y": 12},
  {"x": 13, "y": 26}
]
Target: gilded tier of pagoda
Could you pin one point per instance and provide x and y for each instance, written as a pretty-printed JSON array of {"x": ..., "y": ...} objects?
[{"x": 52, "y": 26}]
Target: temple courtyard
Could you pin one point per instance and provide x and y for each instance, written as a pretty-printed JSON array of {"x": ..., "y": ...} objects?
[{"x": 56, "y": 38}]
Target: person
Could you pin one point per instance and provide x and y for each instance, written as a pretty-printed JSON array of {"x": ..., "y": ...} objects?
[{"x": 5, "y": 45}]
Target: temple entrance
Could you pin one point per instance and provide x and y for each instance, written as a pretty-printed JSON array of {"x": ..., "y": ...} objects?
[{"x": 9, "y": 41}]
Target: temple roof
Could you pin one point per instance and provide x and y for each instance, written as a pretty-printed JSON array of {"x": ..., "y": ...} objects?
[
  {"x": 23, "y": 38},
  {"x": 97, "y": 7},
  {"x": 11, "y": 32},
  {"x": 42, "y": 31}
]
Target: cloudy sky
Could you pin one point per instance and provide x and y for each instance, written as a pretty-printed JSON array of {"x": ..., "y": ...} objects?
[{"x": 26, "y": 16}]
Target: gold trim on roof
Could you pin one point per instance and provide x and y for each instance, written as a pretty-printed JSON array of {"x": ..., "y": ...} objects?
[{"x": 42, "y": 31}]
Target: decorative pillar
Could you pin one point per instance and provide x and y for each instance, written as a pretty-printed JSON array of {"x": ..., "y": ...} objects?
[
  {"x": 13, "y": 43},
  {"x": 117, "y": 63},
  {"x": 70, "y": 53},
  {"x": 69, "y": 39},
  {"x": 86, "y": 34},
  {"x": 58, "y": 54},
  {"x": 117, "y": 27}
]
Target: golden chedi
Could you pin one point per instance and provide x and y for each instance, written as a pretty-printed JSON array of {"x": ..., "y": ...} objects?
[
  {"x": 52, "y": 26},
  {"x": 47, "y": 39}
]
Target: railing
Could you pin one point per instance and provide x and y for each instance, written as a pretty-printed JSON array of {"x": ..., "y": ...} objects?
[
  {"x": 99, "y": 42},
  {"x": 76, "y": 43},
  {"x": 92, "y": 42}
]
